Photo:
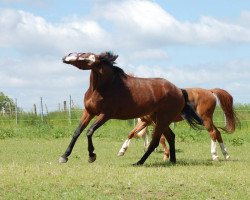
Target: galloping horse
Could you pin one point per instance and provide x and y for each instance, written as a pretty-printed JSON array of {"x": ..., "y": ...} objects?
[
  {"x": 112, "y": 94},
  {"x": 204, "y": 102}
]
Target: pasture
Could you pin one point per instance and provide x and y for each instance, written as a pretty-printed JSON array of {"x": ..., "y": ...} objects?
[{"x": 30, "y": 170}]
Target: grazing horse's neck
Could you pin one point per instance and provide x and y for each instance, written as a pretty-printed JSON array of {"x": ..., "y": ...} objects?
[{"x": 101, "y": 77}]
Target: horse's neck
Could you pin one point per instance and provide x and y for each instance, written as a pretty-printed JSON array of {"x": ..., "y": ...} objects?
[{"x": 101, "y": 77}]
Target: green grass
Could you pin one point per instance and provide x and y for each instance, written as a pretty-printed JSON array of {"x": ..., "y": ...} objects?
[
  {"x": 29, "y": 167},
  {"x": 30, "y": 170}
]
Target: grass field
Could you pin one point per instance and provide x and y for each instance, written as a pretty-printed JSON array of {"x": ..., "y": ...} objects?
[
  {"x": 29, "y": 167},
  {"x": 30, "y": 170}
]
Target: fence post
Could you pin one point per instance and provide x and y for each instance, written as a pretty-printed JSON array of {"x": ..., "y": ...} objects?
[
  {"x": 41, "y": 108},
  {"x": 46, "y": 109},
  {"x": 16, "y": 110},
  {"x": 64, "y": 105},
  {"x": 10, "y": 110},
  {"x": 34, "y": 109},
  {"x": 69, "y": 109}
]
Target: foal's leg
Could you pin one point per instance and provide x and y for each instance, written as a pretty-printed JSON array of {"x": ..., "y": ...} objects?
[
  {"x": 170, "y": 136},
  {"x": 139, "y": 126},
  {"x": 101, "y": 119},
  {"x": 223, "y": 148},
  {"x": 163, "y": 144},
  {"x": 85, "y": 119}
]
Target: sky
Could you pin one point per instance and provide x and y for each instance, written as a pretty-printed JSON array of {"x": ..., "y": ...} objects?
[{"x": 192, "y": 43}]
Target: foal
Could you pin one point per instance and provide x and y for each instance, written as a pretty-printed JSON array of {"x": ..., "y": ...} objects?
[{"x": 112, "y": 94}]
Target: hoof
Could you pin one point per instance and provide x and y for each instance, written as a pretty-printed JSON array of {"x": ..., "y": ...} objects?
[
  {"x": 92, "y": 158},
  {"x": 120, "y": 153},
  {"x": 227, "y": 157},
  {"x": 165, "y": 158},
  {"x": 63, "y": 160},
  {"x": 137, "y": 164},
  {"x": 215, "y": 158},
  {"x": 173, "y": 161}
]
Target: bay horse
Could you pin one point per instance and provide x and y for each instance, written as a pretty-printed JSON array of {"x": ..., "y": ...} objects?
[
  {"x": 204, "y": 102},
  {"x": 112, "y": 94}
]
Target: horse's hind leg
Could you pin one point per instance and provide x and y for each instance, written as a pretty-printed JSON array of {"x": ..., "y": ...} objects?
[
  {"x": 158, "y": 129},
  {"x": 223, "y": 148},
  {"x": 208, "y": 123},
  {"x": 214, "y": 154},
  {"x": 170, "y": 136},
  {"x": 216, "y": 135}
]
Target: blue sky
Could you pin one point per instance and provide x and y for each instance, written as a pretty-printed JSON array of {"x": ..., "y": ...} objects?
[{"x": 191, "y": 43}]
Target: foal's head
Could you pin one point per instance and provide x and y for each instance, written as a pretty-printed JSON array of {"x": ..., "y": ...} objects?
[{"x": 87, "y": 61}]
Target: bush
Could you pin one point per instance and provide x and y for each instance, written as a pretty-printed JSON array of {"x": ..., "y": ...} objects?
[{"x": 237, "y": 141}]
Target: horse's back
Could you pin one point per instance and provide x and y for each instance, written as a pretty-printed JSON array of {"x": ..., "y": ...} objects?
[{"x": 136, "y": 97}]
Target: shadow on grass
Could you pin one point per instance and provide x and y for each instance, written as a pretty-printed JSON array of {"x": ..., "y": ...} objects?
[
  {"x": 161, "y": 151},
  {"x": 186, "y": 162},
  {"x": 181, "y": 162}
]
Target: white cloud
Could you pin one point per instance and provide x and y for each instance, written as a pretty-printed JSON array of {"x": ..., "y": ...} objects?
[
  {"x": 244, "y": 19},
  {"x": 33, "y": 34},
  {"x": 28, "y": 80},
  {"x": 230, "y": 76},
  {"x": 150, "y": 25},
  {"x": 140, "y": 31}
]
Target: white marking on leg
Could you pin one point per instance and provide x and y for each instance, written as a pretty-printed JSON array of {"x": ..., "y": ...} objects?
[
  {"x": 145, "y": 138},
  {"x": 124, "y": 147},
  {"x": 215, "y": 157},
  {"x": 224, "y": 151}
]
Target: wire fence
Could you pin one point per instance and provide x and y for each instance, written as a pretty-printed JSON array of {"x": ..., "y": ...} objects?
[{"x": 68, "y": 112}]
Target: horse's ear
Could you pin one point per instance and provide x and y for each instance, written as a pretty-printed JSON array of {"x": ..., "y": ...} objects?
[{"x": 114, "y": 57}]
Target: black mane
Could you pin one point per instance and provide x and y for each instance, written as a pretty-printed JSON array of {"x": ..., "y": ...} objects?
[{"x": 110, "y": 58}]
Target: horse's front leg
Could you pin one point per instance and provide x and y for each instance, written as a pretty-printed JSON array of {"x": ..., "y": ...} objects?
[
  {"x": 85, "y": 119},
  {"x": 139, "y": 127},
  {"x": 166, "y": 151},
  {"x": 101, "y": 119}
]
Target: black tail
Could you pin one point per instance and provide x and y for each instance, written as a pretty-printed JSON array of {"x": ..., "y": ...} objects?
[{"x": 189, "y": 114}]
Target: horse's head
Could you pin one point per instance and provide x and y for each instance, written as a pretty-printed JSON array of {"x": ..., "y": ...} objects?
[
  {"x": 82, "y": 61},
  {"x": 87, "y": 61}
]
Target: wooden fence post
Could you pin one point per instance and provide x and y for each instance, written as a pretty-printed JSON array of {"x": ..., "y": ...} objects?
[
  {"x": 16, "y": 111},
  {"x": 64, "y": 105},
  {"x": 46, "y": 109},
  {"x": 69, "y": 109},
  {"x": 34, "y": 109},
  {"x": 41, "y": 108}
]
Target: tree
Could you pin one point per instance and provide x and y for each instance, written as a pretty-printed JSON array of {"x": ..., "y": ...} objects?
[{"x": 6, "y": 103}]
